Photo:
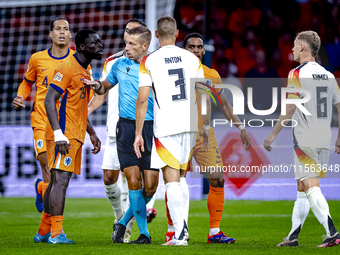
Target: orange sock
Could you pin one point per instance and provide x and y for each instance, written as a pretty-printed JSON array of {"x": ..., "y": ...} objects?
[
  {"x": 40, "y": 187},
  {"x": 215, "y": 206},
  {"x": 44, "y": 186},
  {"x": 45, "y": 224},
  {"x": 167, "y": 210},
  {"x": 57, "y": 225}
]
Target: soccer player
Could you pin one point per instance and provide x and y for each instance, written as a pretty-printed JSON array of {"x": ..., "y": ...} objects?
[
  {"x": 311, "y": 136},
  {"x": 125, "y": 71},
  {"x": 65, "y": 131},
  {"x": 211, "y": 156},
  {"x": 168, "y": 71},
  {"x": 111, "y": 164},
  {"x": 40, "y": 72}
]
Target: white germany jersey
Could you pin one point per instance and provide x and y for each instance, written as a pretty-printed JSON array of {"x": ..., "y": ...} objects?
[
  {"x": 112, "y": 112},
  {"x": 314, "y": 130},
  {"x": 171, "y": 72}
]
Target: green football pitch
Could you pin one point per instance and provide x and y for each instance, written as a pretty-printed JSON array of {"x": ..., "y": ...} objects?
[{"x": 257, "y": 227}]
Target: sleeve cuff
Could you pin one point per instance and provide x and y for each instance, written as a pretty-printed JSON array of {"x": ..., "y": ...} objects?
[
  {"x": 61, "y": 91},
  {"x": 31, "y": 82}
]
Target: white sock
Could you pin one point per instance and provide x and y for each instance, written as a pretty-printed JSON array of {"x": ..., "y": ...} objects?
[
  {"x": 185, "y": 193},
  {"x": 151, "y": 203},
  {"x": 125, "y": 194},
  {"x": 130, "y": 224},
  {"x": 319, "y": 206},
  {"x": 214, "y": 231},
  {"x": 113, "y": 194},
  {"x": 175, "y": 205},
  {"x": 300, "y": 212},
  {"x": 171, "y": 228}
]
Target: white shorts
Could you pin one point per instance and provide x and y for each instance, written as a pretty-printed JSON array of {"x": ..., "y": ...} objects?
[
  {"x": 110, "y": 160},
  {"x": 310, "y": 163},
  {"x": 173, "y": 150}
]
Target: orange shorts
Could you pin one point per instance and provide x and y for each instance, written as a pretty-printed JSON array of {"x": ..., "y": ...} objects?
[
  {"x": 39, "y": 141},
  {"x": 205, "y": 158},
  {"x": 70, "y": 162}
]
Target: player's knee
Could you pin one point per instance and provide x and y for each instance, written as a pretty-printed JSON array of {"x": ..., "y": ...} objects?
[
  {"x": 217, "y": 183},
  {"x": 135, "y": 184}
]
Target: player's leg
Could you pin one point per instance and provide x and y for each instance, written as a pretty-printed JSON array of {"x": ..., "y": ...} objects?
[
  {"x": 44, "y": 231},
  {"x": 124, "y": 192},
  {"x": 150, "y": 176},
  {"x": 137, "y": 203},
  {"x": 57, "y": 199},
  {"x": 320, "y": 209},
  {"x": 131, "y": 165},
  {"x": 150, "y": 181},
  {"x": 40, "y": 150},
  {"x": 112, "y": 191},
  {"x": 175, "y": 200},
  {"x": 111, "y": 169},
  {"x": 300, "y": 213}
]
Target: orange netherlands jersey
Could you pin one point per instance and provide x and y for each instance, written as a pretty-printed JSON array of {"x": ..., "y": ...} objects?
[
  {"x": 72, "y": 108},
  {"x": 40, "y": 71},
  {"x": 215, "y": 78}
]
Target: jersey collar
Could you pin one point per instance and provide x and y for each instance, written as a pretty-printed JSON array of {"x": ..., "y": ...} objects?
[{"x": 50, "y": 54}]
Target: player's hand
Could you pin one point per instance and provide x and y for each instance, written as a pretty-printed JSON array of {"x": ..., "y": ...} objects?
[
  {"x": 89, "y": 82},
  {"x": 139, "y": 142},
  {"x": 268, "y": 141},
  {"x": 245, "y": 139},
  {"x": 61, "y": 142},
  {"x": 337, "y": 146},
  {"x": 18, "y": 102},
  {"x": 96, "y": 144},
  {"x": 206, "y": 138}
]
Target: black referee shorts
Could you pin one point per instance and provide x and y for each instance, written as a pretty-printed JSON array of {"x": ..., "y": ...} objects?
[{"x": 125, "y": 134}]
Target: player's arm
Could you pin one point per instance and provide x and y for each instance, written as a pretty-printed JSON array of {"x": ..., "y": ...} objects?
[
  {"x": 205, "y": 131},
  {"x": 100, "y": 87},
  {"x": 26, "y": 85},
  {"x": 96, "y": 102},
  {"x": 227, "y": 111},
  {"x": 141, "y": 109},
  {"x": 283, "y": 120},
  {"x": 337, "y": 142},
  {"x": 93, "y": 137},
  {"x": 61, "y": 141}
]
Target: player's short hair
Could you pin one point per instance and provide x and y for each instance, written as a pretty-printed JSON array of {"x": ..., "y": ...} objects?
[
  {"x": 166, "y": 26},
  {"x": 312, "y": 39},
  {"x": 134, "y": 20},
  {"x": 82, "y": 35},
  {"x": 192, "y": 35},
  {"x": 58, "y": 18},
  {"x": 143, "y": 32}
]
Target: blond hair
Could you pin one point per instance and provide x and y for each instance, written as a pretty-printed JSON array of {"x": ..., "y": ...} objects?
[
  {"x": 166, "y": 26},
  {"x": 312, "y": 39}
]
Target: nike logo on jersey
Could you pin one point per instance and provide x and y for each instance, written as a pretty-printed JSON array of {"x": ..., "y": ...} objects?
[
  {"x": 82, "y": 79},
  {"x": 128, "y": 69},
  {"x": 138, "y": 212},
  {"x": 218, "y": 161},
  {"x": 44, "y": 69}
]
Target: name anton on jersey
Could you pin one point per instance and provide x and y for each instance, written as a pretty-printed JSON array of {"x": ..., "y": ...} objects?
[
  {"x": 323, "y": 77},
  {"x": 172, "y": 60}
]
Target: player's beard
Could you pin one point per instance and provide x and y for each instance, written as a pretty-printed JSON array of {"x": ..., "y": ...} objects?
[{"x": 61, "y": 45}]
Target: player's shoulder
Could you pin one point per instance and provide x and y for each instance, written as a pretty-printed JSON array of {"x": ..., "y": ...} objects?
[
  {"x": 295, "y": 72},
  {"x": 115, "y": 57},
  {"x": 40, "y": 55},
  {"x": 210, "y": 71}
]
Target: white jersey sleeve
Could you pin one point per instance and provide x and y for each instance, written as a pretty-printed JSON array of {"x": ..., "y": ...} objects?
[
  {"x": 112, "y": 112},
  {"x": 171, "y": 72}
]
